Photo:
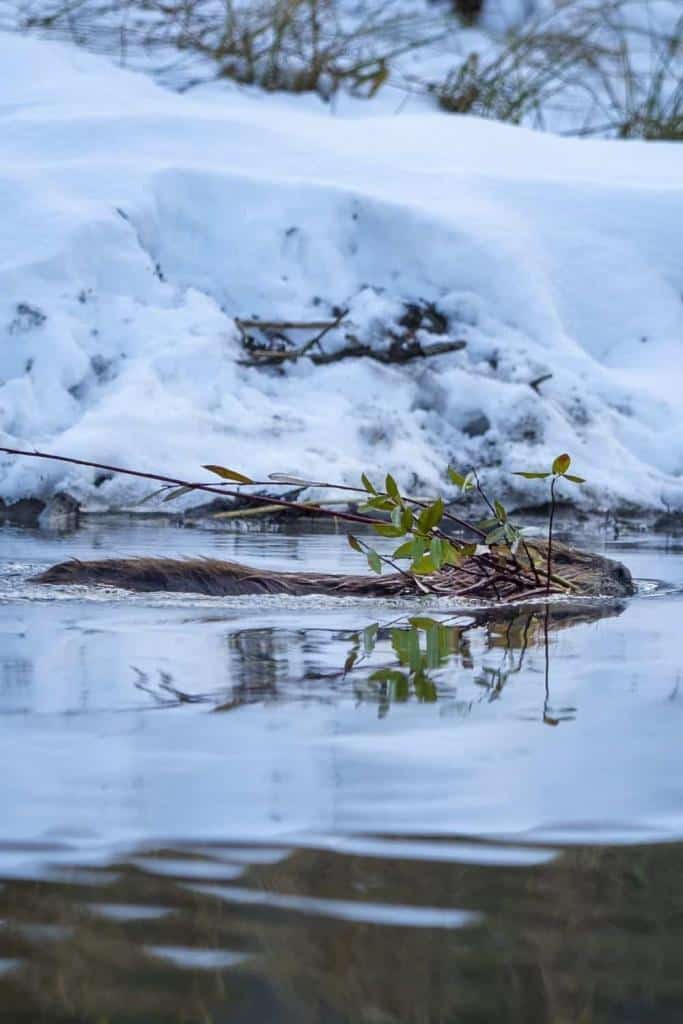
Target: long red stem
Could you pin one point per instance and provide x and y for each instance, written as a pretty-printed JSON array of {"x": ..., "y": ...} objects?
[{"x": 350, "y": 517}]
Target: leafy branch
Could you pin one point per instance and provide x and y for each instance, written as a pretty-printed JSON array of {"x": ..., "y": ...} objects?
[{"x": 438, "y": 562}]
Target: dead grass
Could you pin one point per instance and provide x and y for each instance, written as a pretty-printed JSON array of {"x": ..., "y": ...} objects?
[
  {"x": 588, "y": 67},
  {"x": 289, "y": 45},
  {"x": 593, "y": 64}
]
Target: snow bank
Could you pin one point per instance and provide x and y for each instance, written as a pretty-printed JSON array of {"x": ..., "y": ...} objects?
[{"x": 137, "y": 224}]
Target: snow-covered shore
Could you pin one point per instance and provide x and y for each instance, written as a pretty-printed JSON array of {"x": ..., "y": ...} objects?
[{"x": 137, "y": 223}]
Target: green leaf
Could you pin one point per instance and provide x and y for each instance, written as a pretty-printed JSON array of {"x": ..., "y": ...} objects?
[
  {"x": 379, "y": 503},
  {"x": 436, "y": 551},
  {"x": 500, "y": 512},
  {"x": 430, "y": 516},
  {"x": 154, "y": 494},
  {"x": 285, "y": 478},
  {"x": 396, "y": 515},
  {"x": 407, "y": 519},
  {"x": 487, "y": 524},
  {"x": 468, "y": 550},
  {"x": 451, "y": 554},
  {"x": 455, "y": 478},
  {"x": 177, "y": 492},
  {"x": 391, "y": 487},
  {"x": 470, "y": 482},
  {"x": 533, "y": 476},
  {"x": 229, "y": 474},
  {"x": 367, "y": 484},
  {"x": 574, "y": 479},
  {"x": 384, "y": 530},
  {"x": 404, "y": 551},
  {"x": 423, "y": 566},
  {"x": 374, "y": 561},
  {"x": 419, "y": 547},
  {"x": 561, "y": 464},
  {"x": 495, "y": 537},
  {"x": 354, "y": 542}
]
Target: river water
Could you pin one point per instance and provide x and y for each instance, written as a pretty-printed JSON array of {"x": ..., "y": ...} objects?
[{"x": 227, "y": 810}]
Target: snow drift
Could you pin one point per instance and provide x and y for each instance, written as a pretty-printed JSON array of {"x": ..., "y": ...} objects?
[{"x": 138, "y": 223}]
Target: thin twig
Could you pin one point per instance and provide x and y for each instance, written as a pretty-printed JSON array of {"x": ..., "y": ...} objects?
[{"x": 350, "y": 517}]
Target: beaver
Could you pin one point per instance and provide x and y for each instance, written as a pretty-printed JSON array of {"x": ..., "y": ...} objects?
[{"x": 577, "y": 572}]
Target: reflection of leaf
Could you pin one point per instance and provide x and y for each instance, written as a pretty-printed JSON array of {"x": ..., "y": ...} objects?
[
  {"x": 423, "y": 622},
  {"x": 350, "y": 660},
  {"x": 425, "y": 688},
  {"x": 406, "y": 644},
  {"x": 370, "y": 637},
  {"x": 433, "y": 656},
  {"x": 398, "y": 681}
]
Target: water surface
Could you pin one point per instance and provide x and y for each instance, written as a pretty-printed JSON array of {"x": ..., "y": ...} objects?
[{"x": 307, "y": 809}]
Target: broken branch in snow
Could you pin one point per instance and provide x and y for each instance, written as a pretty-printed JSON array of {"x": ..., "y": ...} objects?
[
  {"x": 398, "y": 352},
  {"x": 270, "y": 356},
  {"x": 279, "y": 347},
  {"x": 536, "y": 383}
]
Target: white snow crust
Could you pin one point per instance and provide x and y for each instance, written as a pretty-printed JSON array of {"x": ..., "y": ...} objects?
[{"x": 138, "y": 223}]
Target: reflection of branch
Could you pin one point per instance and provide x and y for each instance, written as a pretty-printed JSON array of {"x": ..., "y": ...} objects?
[
  {"x": 176, "y": 696},
  {"x": 546, "y": 645}
]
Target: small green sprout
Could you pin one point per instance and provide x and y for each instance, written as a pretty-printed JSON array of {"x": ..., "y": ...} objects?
[{"x": 557, "y": 472}]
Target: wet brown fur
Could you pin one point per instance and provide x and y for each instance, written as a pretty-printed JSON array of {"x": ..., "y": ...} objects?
[{"x": 589, "y": 574}]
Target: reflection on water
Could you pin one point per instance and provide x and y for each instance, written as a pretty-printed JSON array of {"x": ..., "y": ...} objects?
[
  {"x": 592, "y": 934},
  {"x": 335, "y": 812}
]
